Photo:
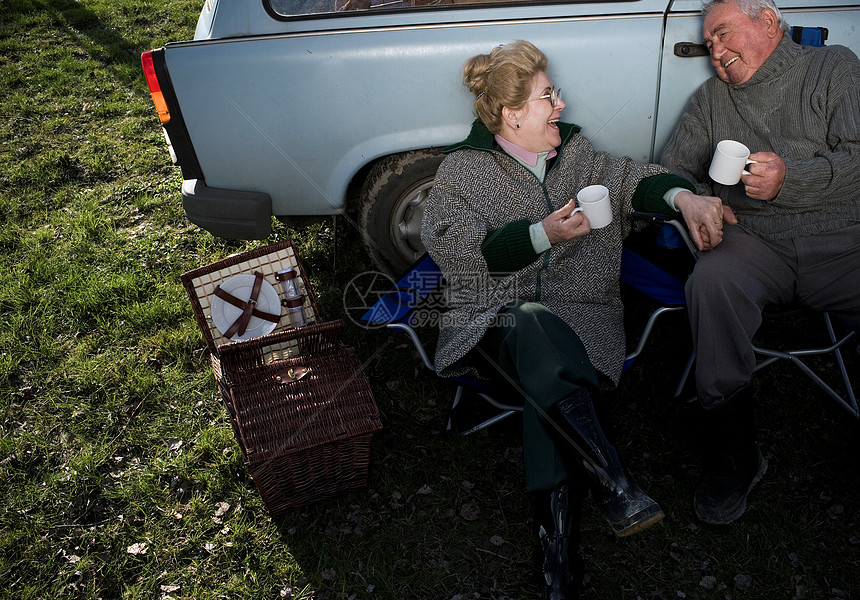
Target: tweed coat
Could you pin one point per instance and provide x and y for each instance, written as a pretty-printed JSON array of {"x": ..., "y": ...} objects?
[{"x": 480, "y": 188}]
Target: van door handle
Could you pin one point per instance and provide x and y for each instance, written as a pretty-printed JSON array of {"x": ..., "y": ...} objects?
[{"x": 690, "y": 49}]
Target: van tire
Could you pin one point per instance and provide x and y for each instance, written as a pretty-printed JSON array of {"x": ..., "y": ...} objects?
[{"x": 392, "y": 204}]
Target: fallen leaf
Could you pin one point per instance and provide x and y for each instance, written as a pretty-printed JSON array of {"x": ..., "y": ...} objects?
[
  {"x": 470, "y": 512},
  {"x": 139, "y": 548}
]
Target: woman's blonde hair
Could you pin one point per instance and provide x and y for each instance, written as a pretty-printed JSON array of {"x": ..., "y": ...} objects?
[{"x": 502, "y": 78}]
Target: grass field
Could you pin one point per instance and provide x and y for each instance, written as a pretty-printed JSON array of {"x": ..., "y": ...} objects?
[{"x": 119, "y": 473}]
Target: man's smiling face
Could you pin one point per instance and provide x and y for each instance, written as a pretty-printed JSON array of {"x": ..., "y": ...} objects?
[{"x": 738, "y": 44}]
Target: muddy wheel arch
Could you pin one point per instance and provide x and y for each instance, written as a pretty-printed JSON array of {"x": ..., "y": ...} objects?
[{"x": 392, "y": 205}]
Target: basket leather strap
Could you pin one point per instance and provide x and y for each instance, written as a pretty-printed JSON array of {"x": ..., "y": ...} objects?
[
  {"x": 231, "y": 299},
  {"x": 291, "y": 374},
  {"x": 249, "y": 307}
]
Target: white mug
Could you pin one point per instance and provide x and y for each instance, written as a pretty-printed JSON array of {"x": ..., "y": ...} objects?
[
  {"x": 595, "y": 204},
  {"x": 730, "y": 160}
]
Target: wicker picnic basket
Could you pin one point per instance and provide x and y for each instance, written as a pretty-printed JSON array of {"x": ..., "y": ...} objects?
[{"x": 301, "y": 408}]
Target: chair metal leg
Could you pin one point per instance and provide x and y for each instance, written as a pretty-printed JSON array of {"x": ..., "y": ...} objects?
[
  {"x": 488, "y": 422},
  {"x": 849, "y": 403},
  {"x": 688, "y": 368},
  {"x": 457, "y": 396},
  {"x": 852, "y": 399},
  {"x": 507, "y": 411},
  {"x": 649, "y": 326},
  {"x": 419, "y": 347}
]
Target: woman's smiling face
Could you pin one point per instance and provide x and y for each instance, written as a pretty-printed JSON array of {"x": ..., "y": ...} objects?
[{"x": 537, "y": 130}]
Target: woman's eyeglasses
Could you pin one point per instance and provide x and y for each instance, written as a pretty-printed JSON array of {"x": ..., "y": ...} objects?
[{"x": 553, "y": 96}]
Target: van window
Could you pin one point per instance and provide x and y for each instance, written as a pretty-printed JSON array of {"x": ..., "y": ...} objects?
[{"x": 291, "y": 8}]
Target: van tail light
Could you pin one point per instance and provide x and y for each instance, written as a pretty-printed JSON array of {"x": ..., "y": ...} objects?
[
  {"x": 154, "y": 87},
  {"x": 170, "y": 114}
]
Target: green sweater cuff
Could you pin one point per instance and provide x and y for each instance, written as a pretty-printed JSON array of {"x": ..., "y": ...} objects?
[
  {"x": 648, "y": 196},
  {"x": 509, "y": 248}
]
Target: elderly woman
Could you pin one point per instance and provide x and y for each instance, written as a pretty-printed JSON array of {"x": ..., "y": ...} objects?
[{"x": 533, "y": 291}]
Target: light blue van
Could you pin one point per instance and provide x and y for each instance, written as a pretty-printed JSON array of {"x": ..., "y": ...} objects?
[{"x": 298, "y": 108}]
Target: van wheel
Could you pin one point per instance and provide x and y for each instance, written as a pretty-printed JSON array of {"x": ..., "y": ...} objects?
[{"x": 392, "y": 205}]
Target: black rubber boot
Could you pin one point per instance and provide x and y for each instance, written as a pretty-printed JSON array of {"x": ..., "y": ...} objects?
[
  {"x": 558, "y": 516},
  {"x": 731, "y": 457},
  {"x": 626, "y": 507}
]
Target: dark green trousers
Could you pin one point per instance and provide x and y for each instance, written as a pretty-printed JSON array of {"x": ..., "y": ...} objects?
[{"x": 538, "y": 352}]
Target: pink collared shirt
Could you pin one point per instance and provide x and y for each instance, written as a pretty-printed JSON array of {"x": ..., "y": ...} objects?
[{"x": 520, "y": 153}]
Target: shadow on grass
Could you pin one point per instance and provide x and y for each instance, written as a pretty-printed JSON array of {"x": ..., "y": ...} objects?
[
  {"x": 108, "y": 47},
  {"x": 447, "y": 516},
  {"x": 444, "y": 515}
]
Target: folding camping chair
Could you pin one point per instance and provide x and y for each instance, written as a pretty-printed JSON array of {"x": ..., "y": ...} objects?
[
  {"x": 409, "y": 303},
  {"x": 655, "y": 261},
  {"x": 809, "y": 36}
]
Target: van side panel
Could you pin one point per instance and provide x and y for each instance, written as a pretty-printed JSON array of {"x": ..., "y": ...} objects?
[{"x": 296, "y": 116}]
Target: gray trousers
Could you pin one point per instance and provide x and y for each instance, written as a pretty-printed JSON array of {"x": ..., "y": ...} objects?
[{"x": 732, "y": 283}]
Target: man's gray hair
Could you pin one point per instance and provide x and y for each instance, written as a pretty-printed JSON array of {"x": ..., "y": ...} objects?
[{"x": 751, "y": 8}]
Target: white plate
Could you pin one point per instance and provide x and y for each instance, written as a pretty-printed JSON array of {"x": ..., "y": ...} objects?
[{"x": 225, "y": 314}]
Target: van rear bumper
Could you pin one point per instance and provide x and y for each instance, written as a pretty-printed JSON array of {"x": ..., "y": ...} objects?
[{"x": 232, "y": 214}]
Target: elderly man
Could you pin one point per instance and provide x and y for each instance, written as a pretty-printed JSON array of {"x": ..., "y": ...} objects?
[{"x": 792, "y": 225}]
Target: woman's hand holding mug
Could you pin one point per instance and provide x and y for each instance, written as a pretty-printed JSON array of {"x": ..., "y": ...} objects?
[{"x": 566, "y": 223}]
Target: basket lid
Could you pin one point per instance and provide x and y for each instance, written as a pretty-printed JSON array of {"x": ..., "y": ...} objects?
[{"x": 209, "y": 311}]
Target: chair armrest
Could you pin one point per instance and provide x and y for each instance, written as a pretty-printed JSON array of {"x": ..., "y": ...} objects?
[
  {"x": 666, "y": 220},
  {"x": 419, "y": 347}
]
